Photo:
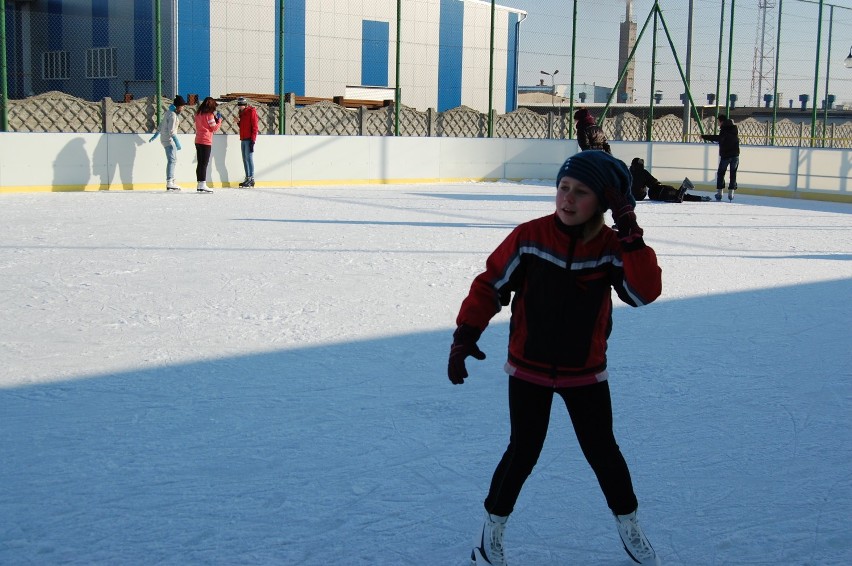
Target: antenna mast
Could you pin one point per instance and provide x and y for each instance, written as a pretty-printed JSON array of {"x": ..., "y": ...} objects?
[{"x": 763, "y": 69}]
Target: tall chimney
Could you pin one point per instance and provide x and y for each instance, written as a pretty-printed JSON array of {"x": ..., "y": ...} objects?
[{"x": 627, "y": 39}]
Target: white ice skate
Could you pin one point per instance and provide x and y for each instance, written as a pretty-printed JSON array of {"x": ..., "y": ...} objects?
[
  {"x": 490, "y": 549},
  {"x": 634, "y": 540}
]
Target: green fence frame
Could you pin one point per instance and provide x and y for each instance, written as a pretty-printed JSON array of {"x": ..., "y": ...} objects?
[{"x": 659, "y": 21}]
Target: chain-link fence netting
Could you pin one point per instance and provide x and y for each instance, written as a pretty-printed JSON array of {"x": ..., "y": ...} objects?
[
  {"x": 778, "y": 62},
  {"x": 92, "y": 50}
]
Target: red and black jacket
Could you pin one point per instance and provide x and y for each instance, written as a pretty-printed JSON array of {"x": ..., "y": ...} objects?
[{"x": 562, "y": 305}]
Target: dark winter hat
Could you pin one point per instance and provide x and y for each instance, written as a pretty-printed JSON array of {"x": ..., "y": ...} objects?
[
  {"x": 581, "y": 113},
  {"x": 179, "y": 101},
  {"x": 241, "y": 101},
  {"x": 598, "y": 170},
  {"x": 637, "y": 163}
]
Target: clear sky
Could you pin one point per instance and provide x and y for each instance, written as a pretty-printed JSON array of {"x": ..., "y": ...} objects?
[{"x": 546, "y": 45}]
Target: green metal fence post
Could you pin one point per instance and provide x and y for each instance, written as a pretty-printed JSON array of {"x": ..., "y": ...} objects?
[
  {"x": 816, "y": 76},
  {"x": 730, "y": 62},
  {"x": 649, "y": 127},
  {"x": 719, "y": 66},
  {"x": 281, "y": 108},
  {"x": 158, "y": 61},
  {"x": 4, "y": 89},
  {"x": 571, "y": 94},
  {"x": 827, "y": 71},
  {"x": 777, "y": 58},
  {"x": 687, "y": 124},
  {"x": 683, "y": 77},
  {"x": 491, "y": 77},
  {"x": 397, "y": 91}
]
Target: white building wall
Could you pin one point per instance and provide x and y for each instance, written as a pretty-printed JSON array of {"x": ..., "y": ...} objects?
[
  {"x": 242, "y": 46},
  {"x": 419, "y": 54},
  {"x": 476, "y": 56},
  {"x": 243, "y": 42},
  {"x": 332, "y": 47}
]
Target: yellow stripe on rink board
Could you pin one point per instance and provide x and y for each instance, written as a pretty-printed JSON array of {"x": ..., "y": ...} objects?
[
  {"x": 235, "y": 185},
  {"x": 190, "y": 186}
]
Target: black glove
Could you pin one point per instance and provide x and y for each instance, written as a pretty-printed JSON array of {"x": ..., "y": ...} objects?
[
  {"x": 622, "y": 205},
  {"x": 251, "y": 147},
  {"x": 464, "y": 345}
]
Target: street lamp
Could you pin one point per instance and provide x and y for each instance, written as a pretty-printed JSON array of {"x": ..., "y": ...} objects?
[
  {"x": 553, "y": 92},
  {"x": 848, "y": 60}
]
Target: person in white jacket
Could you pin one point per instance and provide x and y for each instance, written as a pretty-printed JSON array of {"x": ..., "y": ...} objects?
[{"x": 168, "y": 137}]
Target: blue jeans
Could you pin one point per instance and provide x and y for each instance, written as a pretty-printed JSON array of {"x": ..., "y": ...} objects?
[
  {"x": 171, "y": 159},
  {"x": 724, "y": 163},
  {"x": 248, "y": 157}
]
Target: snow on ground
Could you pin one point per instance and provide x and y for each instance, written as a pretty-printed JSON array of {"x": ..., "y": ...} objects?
[{"x": 259, "y": 377}]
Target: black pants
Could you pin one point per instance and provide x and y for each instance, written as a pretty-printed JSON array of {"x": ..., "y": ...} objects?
[
  {"x": 590, "y": 409},
  {"x": 667, "y": 193},
  {"x": 724, "y": 163},
  {"x": 203, "y": 154}
]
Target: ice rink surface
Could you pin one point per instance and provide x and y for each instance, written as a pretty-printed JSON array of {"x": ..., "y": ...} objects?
[{"x": 259, "y": 377}]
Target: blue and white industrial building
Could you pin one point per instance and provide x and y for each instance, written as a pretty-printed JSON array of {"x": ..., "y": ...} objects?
[{"x": 98, "y": 48}]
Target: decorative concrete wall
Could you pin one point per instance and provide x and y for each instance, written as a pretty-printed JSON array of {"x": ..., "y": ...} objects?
[{"x": 58, "y": 112}]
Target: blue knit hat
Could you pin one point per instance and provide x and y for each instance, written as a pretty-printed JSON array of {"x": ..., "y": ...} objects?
[{"x": 598, "y": 170}]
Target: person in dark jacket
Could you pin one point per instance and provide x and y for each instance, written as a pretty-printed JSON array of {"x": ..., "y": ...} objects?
[
  {"x": 561, "y": 269},
  {"x": 729, "y": 154},
  {"x": 646, "y": 185},
  {"x": 589, "y": 134}
]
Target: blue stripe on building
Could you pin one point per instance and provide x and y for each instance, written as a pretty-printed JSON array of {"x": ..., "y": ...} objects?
[
  {"x": 512, "y": 64},
  {"x": 14, "y": 46},
  {"x": 143, "y": 41},
  {"x": 294, "y": 46},
  {"x": 100, "y": 38},
  {"x": 194, "y": 47},
  {"x": 54, "y": 25},
  {"x": 450, "y": 50},
  {"x": 54, "y": 35},
  {"x": 375, "y": 45}
]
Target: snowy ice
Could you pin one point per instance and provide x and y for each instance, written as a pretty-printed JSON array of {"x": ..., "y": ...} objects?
[{"x": 259, "y": 377}]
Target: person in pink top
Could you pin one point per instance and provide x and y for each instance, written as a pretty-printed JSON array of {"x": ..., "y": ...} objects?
[{"x": 207, "y": 121}]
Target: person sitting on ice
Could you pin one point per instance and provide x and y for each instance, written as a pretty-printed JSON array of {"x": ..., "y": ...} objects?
[{"x": 645, "y": 184}]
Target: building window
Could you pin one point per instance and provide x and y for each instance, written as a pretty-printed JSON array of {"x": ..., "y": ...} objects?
[
  {"x": 100, "y": 63},
  {"x": 54, "y": 65}
]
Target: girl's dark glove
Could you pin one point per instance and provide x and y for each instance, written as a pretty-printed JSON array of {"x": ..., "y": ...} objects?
[
  {"x": 464, "y": 345},
  {"x": 622, "y": 205}
]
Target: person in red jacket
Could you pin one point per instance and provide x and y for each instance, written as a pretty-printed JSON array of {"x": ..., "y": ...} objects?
[
  {"x": 247, "y": 120},
  {"x": 557, "y": 272},
  {"x": 207, "y": 122}
]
